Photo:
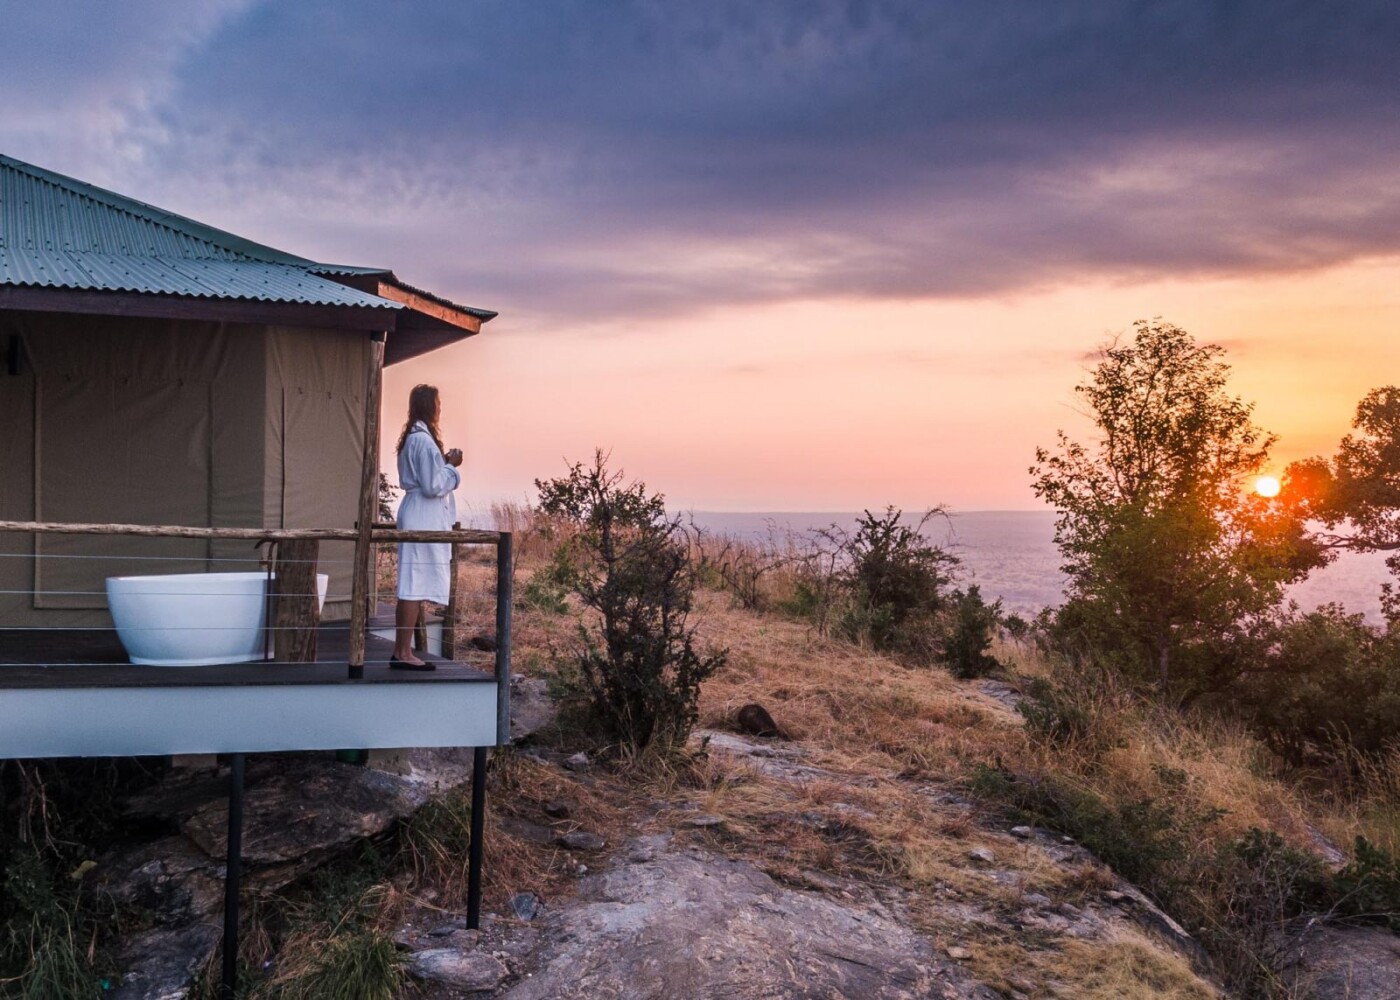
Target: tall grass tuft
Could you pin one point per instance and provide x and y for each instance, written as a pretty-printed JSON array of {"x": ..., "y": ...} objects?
[{"x": 353, "y": 964}]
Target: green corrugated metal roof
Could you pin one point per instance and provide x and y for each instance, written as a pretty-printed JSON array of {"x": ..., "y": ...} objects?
[{"x": 58, "y": 232}]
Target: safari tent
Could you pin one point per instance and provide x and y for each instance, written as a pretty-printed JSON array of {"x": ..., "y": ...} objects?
[{"x": 156, "y": 370}]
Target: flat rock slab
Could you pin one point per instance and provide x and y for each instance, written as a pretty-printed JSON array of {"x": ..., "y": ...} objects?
[
  {"x": 161, "y": 962},
  {"x": 695, "y": 924},
  {"x": 326, "y": 808},
  {"x": 783, "y": 761},
  {"x": 1350, "y": 963}
]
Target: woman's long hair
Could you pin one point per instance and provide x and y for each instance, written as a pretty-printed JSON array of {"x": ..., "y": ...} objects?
[{"x": 422, "y": 405}]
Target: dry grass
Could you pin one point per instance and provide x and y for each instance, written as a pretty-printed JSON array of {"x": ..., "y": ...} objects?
[
  {"x": 1364, "y": 800},
  {"x": 858, "y": 710},
  {"x": 888, "y": 734},
  {"x": 1125, "y": 967}
]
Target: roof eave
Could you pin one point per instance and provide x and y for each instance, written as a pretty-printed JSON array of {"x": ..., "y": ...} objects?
[
  {"x": 387, "y": 285},
  {"x": 35, "y": 298}
]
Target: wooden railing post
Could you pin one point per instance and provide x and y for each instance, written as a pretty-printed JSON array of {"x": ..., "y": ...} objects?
[
  {"x": 449, "y": 614},
  {"x": 298, "y": 612},
  {"x": 369, "y": 494}
]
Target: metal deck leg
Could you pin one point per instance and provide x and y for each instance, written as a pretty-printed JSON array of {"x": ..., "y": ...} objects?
[
  {"x": 232, "y": 873},
  {"x": 478, "y": 830}
]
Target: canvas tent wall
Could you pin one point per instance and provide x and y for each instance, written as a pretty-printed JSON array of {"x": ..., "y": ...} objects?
[
  {"x": 156, "y": 369},
  {"x": 111, "y": 419}
]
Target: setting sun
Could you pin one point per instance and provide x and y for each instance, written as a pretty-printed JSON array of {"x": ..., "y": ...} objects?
[{"x": 1266, "y": 486}]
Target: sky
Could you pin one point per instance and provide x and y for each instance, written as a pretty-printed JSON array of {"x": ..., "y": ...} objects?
[{"x": 777, "y": 255}]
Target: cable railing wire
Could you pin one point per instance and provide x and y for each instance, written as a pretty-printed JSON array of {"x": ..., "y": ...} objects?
[{"x": 267, "y": 562}]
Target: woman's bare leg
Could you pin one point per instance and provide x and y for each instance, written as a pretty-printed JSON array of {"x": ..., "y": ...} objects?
[{"x": 405, "y": 619}]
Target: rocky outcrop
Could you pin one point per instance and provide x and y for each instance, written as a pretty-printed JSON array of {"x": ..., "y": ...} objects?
[
  {"x": 1347, "y": 963},
  {"x": 162, "y": 962},
  {"x": 299, "y": 812},
  {"x": 671, "y": 922}
]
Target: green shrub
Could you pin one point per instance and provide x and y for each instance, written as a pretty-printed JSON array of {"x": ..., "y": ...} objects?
[
  {"x": 543, "y": 592},
  {"x": 636, "y": 670},
  {"x": 896, "y": 579},
  {"x": 1369, "y": 887},
  {"x": 1146, "y": 840},
  {"x": 1071, "y": 712},
  {"x": 971, "y": 624},
  {"x": 1325, "y": 680},
  {"x": 804, "y": 601}
]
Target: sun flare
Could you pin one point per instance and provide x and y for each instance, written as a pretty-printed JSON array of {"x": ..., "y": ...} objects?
[{"x": 1267, "y": 486}]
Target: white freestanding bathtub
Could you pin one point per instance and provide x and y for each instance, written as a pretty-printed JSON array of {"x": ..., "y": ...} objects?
[{"x": 193, "y": 619}]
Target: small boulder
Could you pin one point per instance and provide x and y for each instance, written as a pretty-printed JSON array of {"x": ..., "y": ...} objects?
[
  {"x": 525, "y": 905},
  {"x": 707, "y": 819},
  {"x": 557, "y": 809},
  {"x": 451, "y": 927},
  {"x": 1023, "y": 832},
  {"x": 578, "y": 762},
  {"x": 482, "y": 643},
  {"x": 983, "y": 855},
  {"x": 755, "y": 720},
  {"x": 581, "y": 840},
  {"x": 469, "y": 971}
]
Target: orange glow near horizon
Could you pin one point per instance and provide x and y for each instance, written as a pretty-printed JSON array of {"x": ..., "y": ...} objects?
[{"x": 844, "y": 404}]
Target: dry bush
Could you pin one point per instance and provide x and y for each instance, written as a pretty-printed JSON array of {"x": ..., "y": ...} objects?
[
  {"x": 1362, "y": 798},
  {"x": 534, "y": 534}
]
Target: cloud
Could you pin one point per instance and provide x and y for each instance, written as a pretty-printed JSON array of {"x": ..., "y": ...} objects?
[
  {"x": 637, "y": 158},
  {"x": 86, "y": 78}
]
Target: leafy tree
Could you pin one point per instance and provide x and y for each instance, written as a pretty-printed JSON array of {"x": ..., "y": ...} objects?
[
  {"x": 638, "y": 667},
  {"x": 1166, "y": 550},
  {"x": 1357, "y": 493}
]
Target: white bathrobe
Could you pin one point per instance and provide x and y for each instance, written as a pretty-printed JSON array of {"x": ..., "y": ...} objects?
[{"x": 428, "y": 505}]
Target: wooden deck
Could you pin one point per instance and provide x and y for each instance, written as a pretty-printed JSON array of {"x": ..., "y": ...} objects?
[
  {"x": 71, "y": 693},
  {"x": 73, "y": 658}
]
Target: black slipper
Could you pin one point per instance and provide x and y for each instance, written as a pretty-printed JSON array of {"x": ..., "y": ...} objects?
[{"x": 396, "y": 664}]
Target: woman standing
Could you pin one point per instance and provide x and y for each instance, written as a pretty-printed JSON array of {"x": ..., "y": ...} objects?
[{"x": 428, "y": 475}]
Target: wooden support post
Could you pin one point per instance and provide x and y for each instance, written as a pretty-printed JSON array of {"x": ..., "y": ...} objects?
[
  {"x": 369, "y": 495},
  {"x": 449, "y": 613},
  {"x": 298, "y": 612}
]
